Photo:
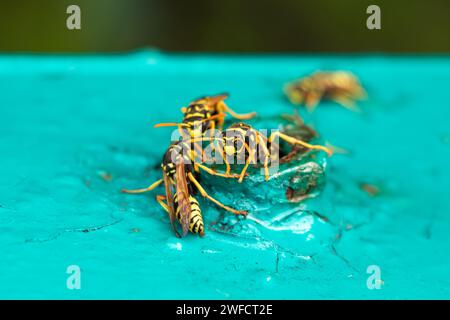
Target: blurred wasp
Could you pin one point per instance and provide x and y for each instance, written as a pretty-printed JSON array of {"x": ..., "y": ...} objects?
[
  {"x": 206, "y": 113},
  {"x": 340, "y": 86},
  {"x": 180, "y": 186},
  {"x": 241, "y": 139}
]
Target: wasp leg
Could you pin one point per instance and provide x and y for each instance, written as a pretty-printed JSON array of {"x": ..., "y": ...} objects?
[
  {"x": 266, "y": 152},
  {"x": 347, "y": 103},
  {"x": 209, "y": 139},
  {"x": 206, "y": 195},
  {"x": 161, "y": 199},
  {"x": 242, "y": 116},
  {"x": 241, "y": 176},
  {"x": 247, "y": 162},
  {"x": 227, "y": 164},
  {"x": 215, "y": 173},
  {"x": 311, "y": 100},
  {"x": 219, "y": 149},
  {"x": 224, "y": 157},
  {"x": 292, "y": 140},
  {"x": 199, "y": 154},
  {"x": 149, "y": 188},
  {"x": 360, "y": 93},
  {"x": 251, "y": 157}
]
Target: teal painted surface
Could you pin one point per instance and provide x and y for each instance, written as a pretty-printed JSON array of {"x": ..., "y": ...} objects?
[{"x": 64, "y": 120}]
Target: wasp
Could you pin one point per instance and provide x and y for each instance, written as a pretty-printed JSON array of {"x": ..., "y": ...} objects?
[
  {"x": 340, "y": 86},
  {"x": 180, "y": 182},
  {"x": 206, "y": 113},
  {"x": 242, "y": 139}
]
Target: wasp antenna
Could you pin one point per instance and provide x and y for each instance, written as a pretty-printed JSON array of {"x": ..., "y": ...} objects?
[{"x": 170, "y": 124}]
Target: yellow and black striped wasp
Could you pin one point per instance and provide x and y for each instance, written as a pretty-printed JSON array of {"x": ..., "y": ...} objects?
[
  {"x": 180, "y": 186},
  {"x": 206, "y": 113},
  {"x": 241, "y": 139},
  {"x": 201, "y": 115}
]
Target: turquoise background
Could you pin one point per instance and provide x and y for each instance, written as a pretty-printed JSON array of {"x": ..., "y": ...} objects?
[{"x": 65, "y": 120}]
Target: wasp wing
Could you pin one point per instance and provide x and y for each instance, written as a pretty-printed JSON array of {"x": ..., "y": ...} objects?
[
  {"x": 183, "y": 197},
  {"x": 214, "y": 99},
  {"x": 217, "y": 98},
  {"x": 170, "y": 204}
]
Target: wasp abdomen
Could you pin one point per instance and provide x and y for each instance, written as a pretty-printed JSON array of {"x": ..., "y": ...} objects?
[{"x": 196, "y": 224}]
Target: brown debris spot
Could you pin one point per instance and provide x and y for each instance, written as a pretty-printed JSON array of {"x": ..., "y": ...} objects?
[
  {"x": 106, "y": 176},
  {"x": 289, "y": 193},
  {"x": 371, "y": 189},
  {"x": 297, "y": 196}
]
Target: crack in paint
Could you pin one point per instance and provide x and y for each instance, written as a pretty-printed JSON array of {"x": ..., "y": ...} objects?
[
  {"x": 83, "y": 230},
  {"x": 427, "y": 230},
  {"x": 269, "y": 243}
]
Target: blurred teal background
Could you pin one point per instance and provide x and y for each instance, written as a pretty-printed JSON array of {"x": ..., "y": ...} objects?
[{"x": 228, "y": 26}]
